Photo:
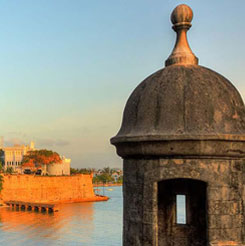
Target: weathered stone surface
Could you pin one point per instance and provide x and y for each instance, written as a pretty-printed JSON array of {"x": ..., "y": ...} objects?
[
  {"x": 47, "y": 189},
  {"x": 181, "y": 102},
  {"x": 224, "y": 209}
]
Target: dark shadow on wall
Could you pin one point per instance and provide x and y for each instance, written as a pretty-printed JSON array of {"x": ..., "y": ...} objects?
[{"x": 182, "y": 213}]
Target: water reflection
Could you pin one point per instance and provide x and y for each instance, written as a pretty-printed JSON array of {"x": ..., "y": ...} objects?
[
  {"x": 86, "y": 224},
  {"x": 71, "y": 221}
]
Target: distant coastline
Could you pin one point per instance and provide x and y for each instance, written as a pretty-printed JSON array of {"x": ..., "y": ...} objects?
[{"x": 107, "y": 185}]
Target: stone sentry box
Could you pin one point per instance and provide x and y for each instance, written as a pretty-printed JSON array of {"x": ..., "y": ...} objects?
[{"x": 183, "y": 134}]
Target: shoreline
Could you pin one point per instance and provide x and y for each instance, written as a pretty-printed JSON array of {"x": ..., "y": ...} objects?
[
  {"x": 106, "y": 185},
  {"x": 96, "y": 198}
]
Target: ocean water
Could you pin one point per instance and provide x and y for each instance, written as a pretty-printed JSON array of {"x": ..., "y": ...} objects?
[{"x": 85, "y": 224}]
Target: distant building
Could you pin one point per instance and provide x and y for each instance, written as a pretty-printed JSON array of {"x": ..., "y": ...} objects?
[
  {"x": 13, "y": 156},
  {"x": 57, "y": 169},
  {"x": 115, "y": 176}
]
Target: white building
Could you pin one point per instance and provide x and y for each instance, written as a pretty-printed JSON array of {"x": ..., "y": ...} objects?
[
  {"x": 13, "y": 155},
  {"x": 57, "y": 169}
]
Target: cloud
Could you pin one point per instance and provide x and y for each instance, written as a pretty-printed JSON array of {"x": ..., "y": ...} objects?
[
  {"x": 16, "y": 133},
  {"x": 13, "y": 141},
  {"x": 48, "y": 142}
]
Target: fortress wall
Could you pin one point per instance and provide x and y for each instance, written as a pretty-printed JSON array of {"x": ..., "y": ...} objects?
[{"x": 47, "y": 189}]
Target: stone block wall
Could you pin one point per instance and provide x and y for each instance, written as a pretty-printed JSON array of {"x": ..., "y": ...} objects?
[
  {"x": 31, "y": 188},
  {"x": 225, "y": 198}
]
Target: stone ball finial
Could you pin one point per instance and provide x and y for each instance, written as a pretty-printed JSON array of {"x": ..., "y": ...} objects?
[
  {"x": 182, "y": 15},
  {"x": 182, "y": 54}
]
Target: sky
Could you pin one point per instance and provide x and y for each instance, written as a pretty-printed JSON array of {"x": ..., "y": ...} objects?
[{"x": 67, "y": 68}]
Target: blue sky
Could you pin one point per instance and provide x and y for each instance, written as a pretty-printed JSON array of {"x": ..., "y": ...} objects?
[{"x": 68, "y": 67}]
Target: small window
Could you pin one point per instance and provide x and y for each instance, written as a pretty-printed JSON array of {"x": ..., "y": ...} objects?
[{"x": 181, "y": 209}]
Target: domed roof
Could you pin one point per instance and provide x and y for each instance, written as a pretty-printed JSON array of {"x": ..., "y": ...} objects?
[{"x": 183, "y": 101}]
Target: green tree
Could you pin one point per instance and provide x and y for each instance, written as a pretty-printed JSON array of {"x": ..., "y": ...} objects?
[
  {"x": 1, "y": 166},
  {"x": 39, "y": 157},
  {"x": 82, "y": 170},
  {"x": 73, "y": 170},
  {"x": 1, "y": 182},
  {"x": 96, "y": 180},
  {"x": 103, "y": 178},
  {"x": 106, "y": 170},
  {"x": 120, "y": 180},
  {"x": 9, "y": 170}
]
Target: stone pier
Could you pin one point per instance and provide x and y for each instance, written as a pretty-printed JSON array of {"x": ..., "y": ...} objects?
[{"x": 42, "y": 207}]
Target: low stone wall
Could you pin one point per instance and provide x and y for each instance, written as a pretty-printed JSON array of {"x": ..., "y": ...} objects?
[{"x": 59, "y": 189}]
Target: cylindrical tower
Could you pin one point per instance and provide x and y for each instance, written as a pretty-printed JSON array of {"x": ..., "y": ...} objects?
[{"x": 183, "y": 143}]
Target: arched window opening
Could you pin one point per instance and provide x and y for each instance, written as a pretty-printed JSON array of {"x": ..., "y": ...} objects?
[{"x": 182, "y": 212}]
